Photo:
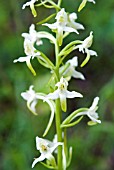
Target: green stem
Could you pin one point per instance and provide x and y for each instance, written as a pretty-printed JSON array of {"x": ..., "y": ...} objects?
[
  {"x": 59, "y": 133},
  {"x": 65, "y": 142},
  {"x": 58, "y": 112}
]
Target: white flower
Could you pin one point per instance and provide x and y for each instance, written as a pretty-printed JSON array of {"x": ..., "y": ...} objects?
[
  {"x": 82, "y": 5},
  {"x": 32, "y": 99},
  {"x": 91, "y": 112},
  {"x": 63, "y": 93},
  {"x": 46, "y": 149},
  {"x": 71, "y": 72},
  {"x": 60, "y": 25},
  {"x": 31, "y": 4},
  {"x": 32, "y": 35},
  {"x": 30, "y": 52},
  {"x": 72, "y": 17},
  {"x": 84, "y": 48}
]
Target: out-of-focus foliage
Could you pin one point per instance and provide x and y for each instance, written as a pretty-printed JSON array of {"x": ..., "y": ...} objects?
[{"x": 93, "y": 147}]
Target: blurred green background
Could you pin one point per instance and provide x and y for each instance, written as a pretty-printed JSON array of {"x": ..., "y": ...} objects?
[{"x": 93, "y": 147}]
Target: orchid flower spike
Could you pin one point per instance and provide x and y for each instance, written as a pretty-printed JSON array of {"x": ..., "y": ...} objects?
[
  {"x": 91, "y": 112},
  {"x": 84, "y": 48},
  {"x": 60, "y": 25},
  {"x": 82, "y": 5},
  {"x": 30, "y": 54},
  {"x": 63, "y": 93},
  {"x": 70, "y": 71},
  {"x": 32, "y": 36},
  {"x": 31, "y": 4},
  {"x": 46, "y": 149}
]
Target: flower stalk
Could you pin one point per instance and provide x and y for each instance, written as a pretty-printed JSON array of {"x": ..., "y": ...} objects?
[{"x": 62, "y": 72}]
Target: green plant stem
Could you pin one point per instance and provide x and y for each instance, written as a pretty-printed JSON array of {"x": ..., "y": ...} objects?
[
  {"x": 65, "y": 142},
  {"x": 59, "y": 133},
  {"x": 58, "y": 112}
]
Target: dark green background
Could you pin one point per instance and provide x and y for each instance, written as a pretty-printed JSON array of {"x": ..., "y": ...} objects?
[{"x": 93, "y": 147}]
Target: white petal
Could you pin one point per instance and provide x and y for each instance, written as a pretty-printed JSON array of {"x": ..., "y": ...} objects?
[
  {"x": 93, "y": 118},
  {"x": 51, "y": 26},
  {"x": 26, "y": 95},
  {"x": 91, "y": 1},
  {"x": 95, "y": 103},
  {"x": 78, "y": 26},
  {"x": 73, "y": 16},
  {"x": 32, "y": 105},
  {"x": 20, "y": 59},
  {"x": 77, "y": 74},
  {"x": 25, "y": 35},
  {"x": 41, "y": 158},
  {"x": 73, "y": 94},
  {"x": 53, "y": 95},
  {"x": 26, "y": 4},
  {"x": 39, "y": 142},
  {"x": 93, "y": 53},
  {"x": 69, "y": 29},
  {"x": 55, "y": 145},
  {"x": 73, "y": 61}
]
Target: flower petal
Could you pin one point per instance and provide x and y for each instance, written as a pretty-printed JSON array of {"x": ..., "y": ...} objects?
[
  {"x": 20, "y": 59},
  {"x": 93, "y": 53},
  {"x": 63, "y": 101},
  {"x": 93, "y": 118},
  {"x": 94, "y": 104},
  {"x": 73, "y": 94},
  {"x": 41, "y": 158},
  {"x": 77, "y": 74},
  {"x": 53, "y": 96},
  {"x": 69, "y": 29}
]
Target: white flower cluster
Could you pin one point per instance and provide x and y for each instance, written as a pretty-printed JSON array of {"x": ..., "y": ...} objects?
[{"x": 65, "y": 24}]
